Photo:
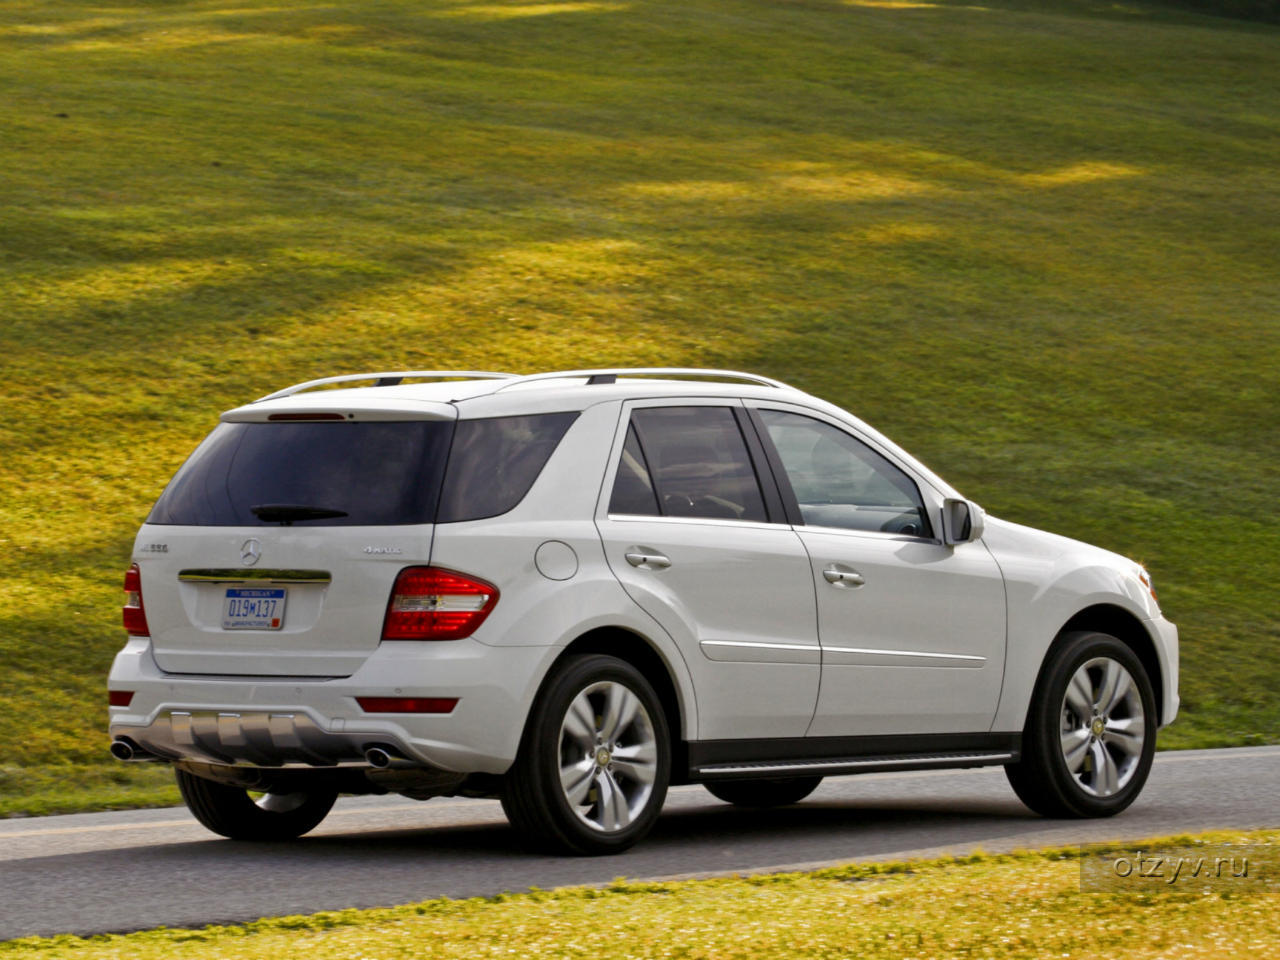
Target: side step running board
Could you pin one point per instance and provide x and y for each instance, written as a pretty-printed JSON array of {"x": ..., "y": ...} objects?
[
  {"x": 823, "y": 756},
  {"x": 764, "y": 768}
]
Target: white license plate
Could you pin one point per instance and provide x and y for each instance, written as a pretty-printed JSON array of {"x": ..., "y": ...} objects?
[{"x": 253, "y": 608}]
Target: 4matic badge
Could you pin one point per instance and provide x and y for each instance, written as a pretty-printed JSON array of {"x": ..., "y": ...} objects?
[{"x": 382, "y": 551}]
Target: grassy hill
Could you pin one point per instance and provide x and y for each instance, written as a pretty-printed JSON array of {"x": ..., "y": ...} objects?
[{"x": 1034, "y": 243}]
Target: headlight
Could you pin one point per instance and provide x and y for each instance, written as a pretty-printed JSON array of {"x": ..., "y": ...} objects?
[{"x": 1146, "y": 582}]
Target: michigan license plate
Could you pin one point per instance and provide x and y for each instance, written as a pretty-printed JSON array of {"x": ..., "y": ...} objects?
[{"x": 258, "y": 608}]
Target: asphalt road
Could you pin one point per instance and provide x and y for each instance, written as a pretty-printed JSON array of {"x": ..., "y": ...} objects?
[{"x": 111, "y": 872}]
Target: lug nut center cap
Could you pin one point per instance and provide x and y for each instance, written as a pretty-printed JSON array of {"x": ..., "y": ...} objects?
[
  {"x": 603, "y": 757},
  {"x": 1098, "y": 726}
]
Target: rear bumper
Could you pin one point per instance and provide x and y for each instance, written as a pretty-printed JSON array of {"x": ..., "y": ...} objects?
[{"x": 315, "y": 722}]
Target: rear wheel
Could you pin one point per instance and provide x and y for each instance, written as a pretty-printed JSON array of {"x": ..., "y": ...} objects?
[
  {"x": 231, "y": 811},
  {"x": 595, "y": 760},
  {"x": 763, "y": 793},
  {"x": 1091, "y": 732}
]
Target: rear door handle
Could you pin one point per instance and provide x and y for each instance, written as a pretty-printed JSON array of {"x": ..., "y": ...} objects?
[
  {"x": 839, "y": 575},
  {"x": 650, "y": 560}
]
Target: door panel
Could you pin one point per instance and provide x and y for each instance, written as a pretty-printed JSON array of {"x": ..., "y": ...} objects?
[
  {"x": 918, "y": 647},
  {"x": 912, "y": 631},
  {"x": 686, "y": 532},
  {"x": 738, "y": 601}
]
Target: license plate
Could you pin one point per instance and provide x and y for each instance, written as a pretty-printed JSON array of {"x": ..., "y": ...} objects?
[{"x": 257, "y": 608}]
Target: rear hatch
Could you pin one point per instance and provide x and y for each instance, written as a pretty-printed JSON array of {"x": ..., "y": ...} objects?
[{"x": 274, "y": 550}]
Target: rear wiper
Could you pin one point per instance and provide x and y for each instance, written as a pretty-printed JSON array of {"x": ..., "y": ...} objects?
[{"x": 289, "y": 512}]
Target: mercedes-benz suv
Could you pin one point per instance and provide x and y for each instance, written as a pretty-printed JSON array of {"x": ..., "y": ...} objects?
[{"x": 572, "y": 589}]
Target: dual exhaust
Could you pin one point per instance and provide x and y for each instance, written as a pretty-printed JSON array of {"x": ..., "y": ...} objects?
[{"x": 378, "y": 756}]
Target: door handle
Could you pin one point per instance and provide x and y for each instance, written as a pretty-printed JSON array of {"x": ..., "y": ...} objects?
[
  {"x": 639, "y": 557},
  {"x": 839, "y": 577}
]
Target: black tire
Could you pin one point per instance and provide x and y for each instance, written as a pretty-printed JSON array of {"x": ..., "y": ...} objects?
[
  {"x": 1112, "y": 766},
  {"x": 763, "y": 793},
  {"x": 534, "y": 797},
  {"x": 231, "y": 812}
]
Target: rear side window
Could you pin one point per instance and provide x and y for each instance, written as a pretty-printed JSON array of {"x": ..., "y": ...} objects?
[
  {"x": 632, "y": 488},
  {"x": 693, "y": 460},
  {"x": 365, "y": 473},
  {"x": 494, "y": 462}
]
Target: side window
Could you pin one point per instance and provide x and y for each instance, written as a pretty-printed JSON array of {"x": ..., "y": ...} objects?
[
  {"x": 493, "y": 463},
  {"x": 840, "y": 481},
  {"x": 687, "y": 462}
]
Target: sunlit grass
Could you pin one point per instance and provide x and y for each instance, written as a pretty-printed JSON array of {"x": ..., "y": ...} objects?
[{"x": 1037, "y": 247}]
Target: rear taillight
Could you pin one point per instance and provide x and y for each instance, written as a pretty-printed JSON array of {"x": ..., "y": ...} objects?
[
  {"x": 428, "y": 603},
  {"x": 135, "y": 617}
]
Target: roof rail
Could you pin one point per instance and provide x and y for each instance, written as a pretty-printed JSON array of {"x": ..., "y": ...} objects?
[
  {"x": 610, "y": 374},
  {"x": 390, "y": 379}
]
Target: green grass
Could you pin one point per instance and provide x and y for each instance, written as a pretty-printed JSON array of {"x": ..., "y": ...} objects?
[
  {"x": 1036, "y": 244},
  {"x": 1015, "y": 905}
]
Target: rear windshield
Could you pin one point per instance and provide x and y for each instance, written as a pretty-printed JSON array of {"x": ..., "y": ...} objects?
[{"x": 363, "y": 473}]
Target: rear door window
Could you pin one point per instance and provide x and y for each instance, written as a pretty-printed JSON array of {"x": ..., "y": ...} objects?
[
  {"x": 687, "y": 462},
  {"x": 361, "y": 473}
]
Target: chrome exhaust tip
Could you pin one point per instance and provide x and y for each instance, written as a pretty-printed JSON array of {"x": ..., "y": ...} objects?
[
  {"x": 378, "y": 758},
  {"x": 382, "y": 756},
  {"x": 128, "y": 751}
]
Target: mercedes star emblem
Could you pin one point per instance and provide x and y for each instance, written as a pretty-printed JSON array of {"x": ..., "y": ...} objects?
[{"x": 250, "y": 551}]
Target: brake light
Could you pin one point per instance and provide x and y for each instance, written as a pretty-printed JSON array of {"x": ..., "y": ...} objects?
[
  {"x": 119, "y": 698},
  {"x": 133, "y": 613},
  {"x": 428, "y": 603},
  {"x": 407, "y": 704}
]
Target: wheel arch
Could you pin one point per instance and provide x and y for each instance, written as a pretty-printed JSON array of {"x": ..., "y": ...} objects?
[
  {"x": 1125, "y": 627},
  {"x": 638, "y": 651}
]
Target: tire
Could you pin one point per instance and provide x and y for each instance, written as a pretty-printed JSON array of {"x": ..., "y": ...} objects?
[
  {"x": 231, "y": 812},
  {"x": 763, "y": 793},
  {"x": 594, "y": 763},
  {"x": 1091, "y": 731}
]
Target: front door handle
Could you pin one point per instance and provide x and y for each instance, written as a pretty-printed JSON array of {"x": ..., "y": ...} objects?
[
  {"x": 840, "y": 576},
  {"x": 650, "y": 560}
]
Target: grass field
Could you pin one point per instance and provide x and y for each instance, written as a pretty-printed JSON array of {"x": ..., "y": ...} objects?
[
  {"x": 1034, "y": 243},
  {"x": 1015, "y": 906}
]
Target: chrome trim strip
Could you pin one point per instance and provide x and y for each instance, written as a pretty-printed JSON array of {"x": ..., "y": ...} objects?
[
  {"x": 852, "y": 764},
  {"x": 859, "y": 650},
  {"x": 233, "y": 575},
  {"x": 808, "y": 648},
  {"x": 905, "y": 653},
  {"x": 699, "y": 521}
]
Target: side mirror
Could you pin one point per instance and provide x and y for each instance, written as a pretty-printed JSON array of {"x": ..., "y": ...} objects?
[{"x": 962, "y": 521}]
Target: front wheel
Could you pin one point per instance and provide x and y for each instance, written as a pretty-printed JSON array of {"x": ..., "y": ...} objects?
[
  {"x": 232, "y": 812},
  {"x": 593, "y": 766},
  {"x": 763, "y": 793},
  {"x": 1090, "y": 735}
]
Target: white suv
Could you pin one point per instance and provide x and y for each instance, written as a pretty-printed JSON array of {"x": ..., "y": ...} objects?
[{"x": 572, "y": 589}]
